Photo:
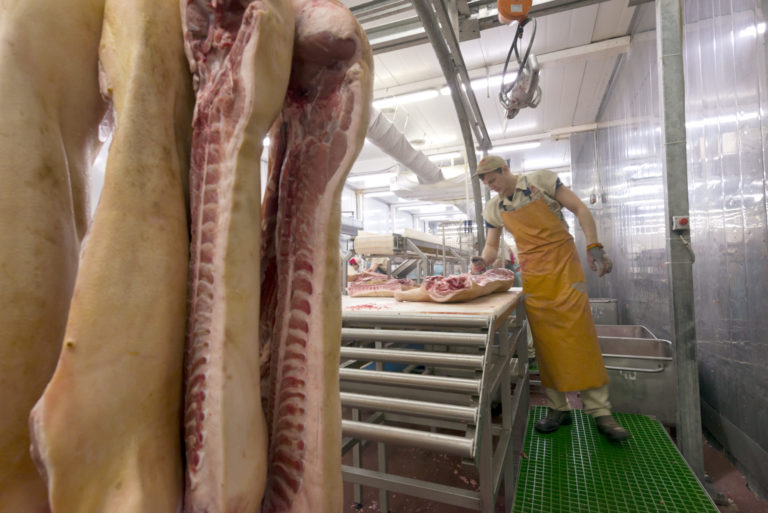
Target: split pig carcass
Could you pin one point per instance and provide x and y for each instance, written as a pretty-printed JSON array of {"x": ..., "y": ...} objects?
[
  {"x": 51, "y": 107},
  {"x": 240, "y": 55},
  {"x": 106, "y": 431},
  {"x": 459, "y": 288},
  {"x": 314, "y": 143}
]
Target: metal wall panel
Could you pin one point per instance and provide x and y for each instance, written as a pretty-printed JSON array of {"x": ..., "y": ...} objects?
[
  {"x": 618, "y": 167},
  {"x": 725, "y": 71}
]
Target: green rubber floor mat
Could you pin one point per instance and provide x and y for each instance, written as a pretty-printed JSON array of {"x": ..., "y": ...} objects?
[{"x": 576, "y": 470}]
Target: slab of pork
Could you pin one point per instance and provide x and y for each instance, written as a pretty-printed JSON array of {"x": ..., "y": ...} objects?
[
  {"x": 106, "y": 430},
  {"x": 379, "y": 286},
  {"x": 51, "y": 107},
  {"x": 240, "y": 53},
  {"x": 459, "y": 287},
  {"x": 314, "y": 143}
]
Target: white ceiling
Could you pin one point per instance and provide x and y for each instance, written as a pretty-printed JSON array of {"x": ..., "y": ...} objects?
[{"x": 577, "y": 50}]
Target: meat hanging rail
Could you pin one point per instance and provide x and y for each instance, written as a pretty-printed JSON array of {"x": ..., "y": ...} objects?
[{"x": 466, "y": 354}]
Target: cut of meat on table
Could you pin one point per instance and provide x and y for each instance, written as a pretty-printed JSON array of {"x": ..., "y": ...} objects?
[
  {"x": 240, "y": 53},
  {"x": 378, "y": 286},
  {"x": 459, "y": 287},
  {"x": 51, "y": 107},
  {"x": 368, "y": 276},
  {"x": 106, "y": 430},
  {"x": 314, "y": 143}
]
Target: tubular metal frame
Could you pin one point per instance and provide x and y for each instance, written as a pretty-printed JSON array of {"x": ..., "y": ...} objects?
[{"x": 441, "y": 397}]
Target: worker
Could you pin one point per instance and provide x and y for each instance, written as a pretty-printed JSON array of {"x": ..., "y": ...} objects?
[
  {"x": 378, "y": 265},
  {"x": 554, "y": 287},
  {"x": 354, "y": 264}
]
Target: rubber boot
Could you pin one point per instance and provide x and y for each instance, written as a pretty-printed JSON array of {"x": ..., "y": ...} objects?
[
  {"x": 608, "y": 426},
  {"x": 553, "y": 420}
]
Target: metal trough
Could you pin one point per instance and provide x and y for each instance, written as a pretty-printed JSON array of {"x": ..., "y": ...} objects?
[{"x": 641, "y": 370}]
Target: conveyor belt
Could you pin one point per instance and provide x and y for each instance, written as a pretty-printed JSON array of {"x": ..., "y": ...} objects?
[{"x": 576, "y": 470}]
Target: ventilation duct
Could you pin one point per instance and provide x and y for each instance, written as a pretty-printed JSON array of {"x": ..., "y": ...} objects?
[
  {"x": 452, "y": 190},
  {"x": 391, "y": 141}
]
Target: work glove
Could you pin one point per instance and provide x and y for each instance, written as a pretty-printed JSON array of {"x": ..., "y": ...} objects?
[
  {"x": 598, "y": 260},
  {"x": 478, "y": 265}
]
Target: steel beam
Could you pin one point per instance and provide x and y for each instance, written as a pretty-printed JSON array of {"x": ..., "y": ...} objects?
[
  {"x": 669, "y": 44},
  {"x": 410, "y": 32},
  {"x": 409, "y": 406},
  {"x": 446, "y": 338},
  {"x": 455, "y": 72},
  {"x": 457, "y": 445},
  {"x": 411, "y": 380},
  {"x": 465, "y": 361}
]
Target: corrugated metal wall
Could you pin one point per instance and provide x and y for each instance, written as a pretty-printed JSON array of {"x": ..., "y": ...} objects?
[{"x": 619, "y": 166}]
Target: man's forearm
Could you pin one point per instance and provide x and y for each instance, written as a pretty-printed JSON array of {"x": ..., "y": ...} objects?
[
  {"x": 490, "y": 254},
  {"x": 587, "y": 223}
]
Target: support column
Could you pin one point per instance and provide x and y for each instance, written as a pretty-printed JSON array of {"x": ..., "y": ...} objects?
[{"x": 669, "y": 43}]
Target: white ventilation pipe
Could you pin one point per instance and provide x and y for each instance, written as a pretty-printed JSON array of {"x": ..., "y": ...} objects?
[{"x": 391, "y": 141}]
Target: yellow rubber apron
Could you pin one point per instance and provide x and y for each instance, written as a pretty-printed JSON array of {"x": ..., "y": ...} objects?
[{"x": 556, "y": 300}]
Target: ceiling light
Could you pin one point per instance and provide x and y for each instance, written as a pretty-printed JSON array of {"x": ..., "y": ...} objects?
[
  {"x": 544, "y": 163},
  {"x": 516, "y": 147},
  {"x": 265, "y": 142},
  {"x": 444, "y": 156},
  {"x": 403, "y": 99},
  {"x": 478, "y": 84},
  {"x": 432, "y": 208},
  {"x": 370, "y": 176},
  {"x": 418, "y": 142}
]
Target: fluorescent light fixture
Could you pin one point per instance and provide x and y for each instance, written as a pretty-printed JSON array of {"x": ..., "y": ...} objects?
[
  {"x": 479, "y": 84},
  {"x": 403, "y": 99},
  {"x": 752, "y": 30},
  {"x": 447, "y": 216},
  {"x": 433, "y": 208},
  {"x": 370, "y": 181},
  {"x": 544, "y": 163},
  {"x": 444, "y": 156},
  {"x": 516, "y": 147}
]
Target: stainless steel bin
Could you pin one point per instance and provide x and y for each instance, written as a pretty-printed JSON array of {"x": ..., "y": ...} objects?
[
  {"x": 604, "y": 310},
  {"x": 641, "y": 370}
]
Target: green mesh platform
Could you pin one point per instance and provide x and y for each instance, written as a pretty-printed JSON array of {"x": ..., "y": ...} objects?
[{"x": 576, "y": 470}]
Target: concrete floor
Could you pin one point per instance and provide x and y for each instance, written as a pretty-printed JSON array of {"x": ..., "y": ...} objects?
[{"x": 450, "y": 470}]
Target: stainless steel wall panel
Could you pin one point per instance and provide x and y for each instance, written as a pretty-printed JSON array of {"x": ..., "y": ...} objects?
[{"x": 619, "y": 168}]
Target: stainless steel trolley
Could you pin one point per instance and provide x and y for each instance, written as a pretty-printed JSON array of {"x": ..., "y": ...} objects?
[{"x": 431, "y": 367}]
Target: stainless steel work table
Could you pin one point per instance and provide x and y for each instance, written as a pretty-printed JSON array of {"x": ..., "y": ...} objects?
[{"x": 436, "y": 366}]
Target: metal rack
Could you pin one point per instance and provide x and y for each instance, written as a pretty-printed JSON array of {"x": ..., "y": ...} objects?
[
  {"x": 409, "y": 254},
  {"x": 457, "y": 359}
]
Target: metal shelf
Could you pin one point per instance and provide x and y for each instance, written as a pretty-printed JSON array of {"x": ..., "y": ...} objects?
[{"x": 457, "y": 359}]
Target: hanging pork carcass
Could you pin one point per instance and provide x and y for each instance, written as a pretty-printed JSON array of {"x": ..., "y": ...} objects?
[
  {"x": 51, "y": 107},
  {"x": 314, "y": 143},
  {"x": 240, "y": 54},
  {"x": 106, "y": 431}
]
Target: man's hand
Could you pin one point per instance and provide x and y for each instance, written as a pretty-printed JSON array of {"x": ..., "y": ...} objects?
[
  {"x": 599, "y": 261},
  {"x": 478, "y": 265}
]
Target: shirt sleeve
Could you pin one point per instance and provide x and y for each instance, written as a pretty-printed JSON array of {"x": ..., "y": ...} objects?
[
  {"x": 491, "y": 213},
  {"x": 545, "y": 180}
]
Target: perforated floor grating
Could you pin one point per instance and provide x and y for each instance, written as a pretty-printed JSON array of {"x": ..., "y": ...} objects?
[{"x": 576, "y": 470}]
